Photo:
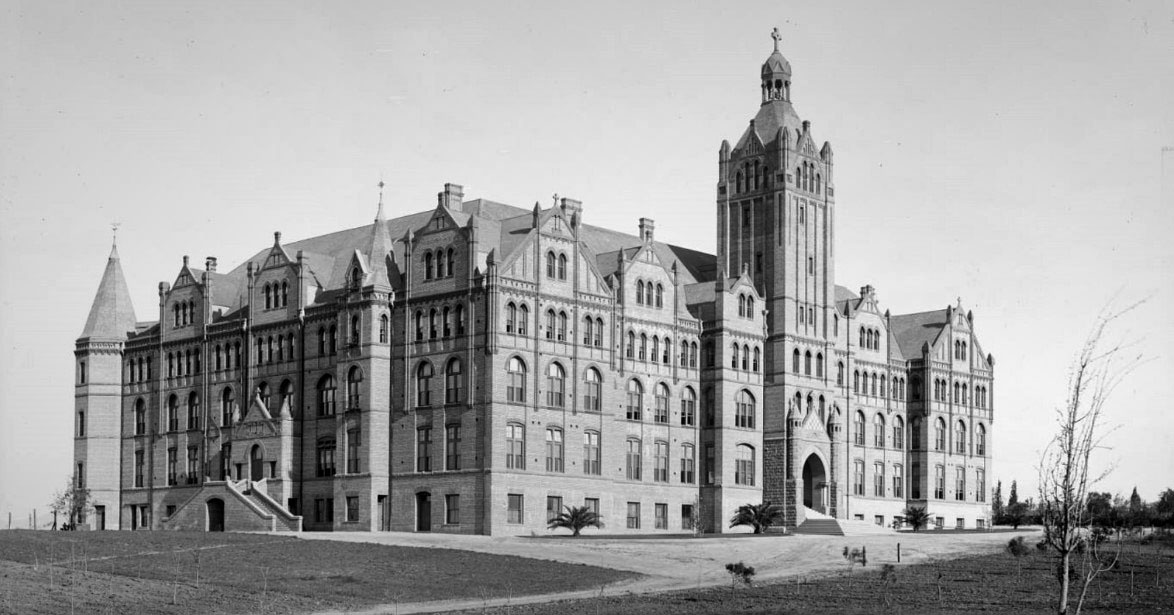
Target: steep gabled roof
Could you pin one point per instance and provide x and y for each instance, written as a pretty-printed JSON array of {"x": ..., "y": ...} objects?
[
  {"x": 915, "y": 330},
  {"x": 111, "y": 315}
]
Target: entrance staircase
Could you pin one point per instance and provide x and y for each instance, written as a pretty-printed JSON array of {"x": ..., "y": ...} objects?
[
  {"x": 819, "y": 524},
  {"x": 246, "y": 507}
]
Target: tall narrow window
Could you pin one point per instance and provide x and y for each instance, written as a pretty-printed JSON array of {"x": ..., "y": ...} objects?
[
  {"x": 516, "y": 384},
  {"x": 511, "y": 317},
  {"x": 326, "y": 457},
  {"x": 661, "y": 414},
  {"x": 744, "y": 465},
  {"x": 593, "y": 390},
  {"x": 858, "y": 428},
  {"x": 635, "y": 406},
  {"x": 960, "y": 438},
  {"x": 688, "y": 464},
  {"x": 878, "y": 431},
  {"x": 515, "y": 440},
  {"x": 980, "y": 441},
  {"x": 326, "y": 396},
  {"x": 591, "y": 453},
  {"x": 688, "y": 407},
  {"x": 878, "y": 479},
  {"x": 554, "y": 449},
  {"x": 550, "y": 324},
  {"x": 354, "y": 385},
  {"x": 452, "y": 382},
  {"x": 452, "y": 447},
  {"x": 660, "y": 468},
  {"x": 898, "y": 482},
  {"x": 939, "y": 435},
  {"x": 632, "y": 466},
  {"x": 173, "y": 413},
  {"x": 427, "y": 265},
  {"x": 193, "y": 411},
  {"x": 898, "y": 433},
  {"x": 744, "y": 410},
  {"x": 562, "y": 266},
  {"x": 354, "y": 444},
  {"x": 556, "y": 380},
  {"x": 598, "y": 332},
  {"x": 424, "y": 384},
  {"x": 227, "y": 406},
  {"x": 523, "y": 319},
  {"x": 424, "y": 449},
  {"x": 858, "y": 477}
]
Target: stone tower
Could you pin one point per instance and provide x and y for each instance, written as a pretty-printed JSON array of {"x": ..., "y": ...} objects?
[
  {"x": 775, "y": 220},
  {"x": 98, "y": 396}
]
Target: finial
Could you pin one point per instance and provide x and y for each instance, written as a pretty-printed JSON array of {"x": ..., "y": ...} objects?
[
  {"x": 114, "y": 231},
  {"x": 554, "y": 197},
  {"x": 379, "y": 211},
  {"x": 381, "y": 190},
  {"x": 777, "y": 37}
]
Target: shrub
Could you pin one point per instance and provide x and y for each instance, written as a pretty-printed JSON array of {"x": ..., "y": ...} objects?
[
  {"x": 576, "y": 518},
  {"x": 1017, "y": 547},
  {"x": 740, "y": 572},
  {"x": 758, "y": 516},
  {"x": 916, "y": 516}
]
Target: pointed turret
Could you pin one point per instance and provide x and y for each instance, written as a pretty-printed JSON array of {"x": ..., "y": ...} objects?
[
  {"x": 379, "y": 246},
  {"x": 111, "y": 315}
]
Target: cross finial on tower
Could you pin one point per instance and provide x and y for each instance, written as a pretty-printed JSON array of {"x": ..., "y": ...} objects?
[
  {"x": 554, "y": 197},
  {"x": 114, "y": 231},
  {"x": 381, "y": 190},
  {"x": 777, "y": 37}
]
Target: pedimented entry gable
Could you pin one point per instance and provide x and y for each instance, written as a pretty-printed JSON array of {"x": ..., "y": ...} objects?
[{"x": 256, "y": 411}]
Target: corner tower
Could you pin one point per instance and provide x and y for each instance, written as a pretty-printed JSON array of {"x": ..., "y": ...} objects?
[
  {"x": 98, "y": 397},
  {"x": 776, "y": 221}
]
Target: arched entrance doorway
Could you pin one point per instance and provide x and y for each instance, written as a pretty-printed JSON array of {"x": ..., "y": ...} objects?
[
  {"x": 814, "y": 484},
  {"x": 423, "y": 512},
  {"x": 256, "y": 463},
  {"x": 215, "y": 515}
]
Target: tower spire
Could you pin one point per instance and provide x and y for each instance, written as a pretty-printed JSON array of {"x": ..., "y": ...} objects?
[
  {"x": 379, "y": 217},
  {"x": 111, "y": 315}
]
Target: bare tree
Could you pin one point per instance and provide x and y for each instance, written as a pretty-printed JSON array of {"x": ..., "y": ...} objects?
[
  {"x": 1064, "y": 475},
  {"x": 71, "y": 501}
]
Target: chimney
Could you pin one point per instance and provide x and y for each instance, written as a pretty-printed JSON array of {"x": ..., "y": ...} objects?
[
  {"x": 210, "y": 264},
  {"x": 647, "y": 226},
  {"x": 452, "y": 197},
  {"x": 185, "y": 260},
  {"x": 573, "y": 210}
]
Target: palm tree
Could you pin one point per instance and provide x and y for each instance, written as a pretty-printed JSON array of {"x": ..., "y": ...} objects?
[
  {"x": 575, "y": 519},
  {"x": 916, "y": 516},
  {"x": 758, "y": 516}
]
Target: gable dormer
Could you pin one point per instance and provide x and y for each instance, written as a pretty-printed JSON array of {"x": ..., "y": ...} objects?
[
  {"x": 183, "y": 304},
  {"x": 275, "y": 285}
]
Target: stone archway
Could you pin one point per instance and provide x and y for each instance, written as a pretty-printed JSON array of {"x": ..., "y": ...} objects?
[{"x": 815, "y": 484}]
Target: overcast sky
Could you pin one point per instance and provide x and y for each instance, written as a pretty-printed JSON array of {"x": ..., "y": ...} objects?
[{"x": 1007, "y": 153}]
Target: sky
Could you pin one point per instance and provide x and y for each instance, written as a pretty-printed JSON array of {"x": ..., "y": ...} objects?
[{"x": 1009, "y": 154}]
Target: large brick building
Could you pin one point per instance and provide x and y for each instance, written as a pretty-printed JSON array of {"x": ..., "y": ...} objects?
[{"x": 475, "y": 366}]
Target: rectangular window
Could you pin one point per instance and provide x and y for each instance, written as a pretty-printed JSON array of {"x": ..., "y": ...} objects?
[
  {"x": 591, "y": 453},
  {"x": 960, "y": 484},
  {"x": 939, "y": 488},
  {"x": 878, "y": 480},
  {"x": 959, "y": 523},
  {"x": 424, "y": 449},
  {"x": 515, "y": 454},
  {"x": 80, "y": 477},
  {"x": 354, "y": 444},
  {"x": 915, "y": 482},
  {"x": 554, "y": 506},
  {"x": 81, "y": 423},
  {"x": 744, "y": 466},
  {"x": 980, "y": 485},
  {"x": 193, "y": 472},
  {"x": 858, "y": 477},
  {"x": 554, "y": 450},
  {"x": 660, "y": 470},
  {"x": 633, "y": 518},
  {"x": 898, "y": 487},
  {"x": 633, "y": 460},
  {"x": 592, "y": 504},
  {"x": 326, "y": 458},
  {"x": 662, "y": 516},
  {"x": 138, "y": 468},
  {"x": 710, "y": 460},
  {"x": 452, "y": 447},
  {"x": 688, "y": 409},
  {"x": 688, "y": 476},
  {"x": 452, "y": 509},
  {"x": 352, "y": 508},
  {"x": 879, "y": 520},
  {"x": 514, "y": 508}
]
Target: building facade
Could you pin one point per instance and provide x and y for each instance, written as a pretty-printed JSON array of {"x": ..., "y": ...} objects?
[{"x": 476, "y": 367}]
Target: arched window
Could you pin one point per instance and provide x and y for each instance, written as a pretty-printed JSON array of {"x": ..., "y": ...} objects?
[
  {"x": 284, "y": 293},
  {"x": 550, "y": 324},
  {"x": 588, "y": 325},
  {"x": 661, "y": 411},
  {"x": 693, "y": 354},
  {"x": 516, "y": 385},
  {"x": 193, "y": 410},
  {"x": 355, "y": 331},
  {"x": 631, "y": 350},
  {"x": 864, "y": 383},
  {"x": 599, "y": 332},
  {"x": 957, "y": 388},
  {"x": 440, "y": 264},
  {"x": 356, "y": 278},
  {"x": 556, "y": 385},
  {"x": 862, "y": 339},
  {"x": 745, "y": 357},
  {"x": 873, "y": 384},
  {"x": 688, "y": 407},
  {"x": 427, "y": 265},
  {"x": 915, "y": 434},
  {"x": 795, "y": 361},
  {"x": 856, "y": 381},
  {"x": 822, "y": 410},
  {"x": 511, "y": 317},
  {"x": 452, "y": 382},
  {"x": 960, "y": 438},
  {"x": 635, "y": 408},
  {"x": 654, "y": 356},
  {"x": 523, "y": 318},
  {"x": 633, "y": 462},
  {"x": 734, "y": 357},
  {"x": 684, "y": 358},
  {"x": 741, "y": 305},
  {"x": 744, "y": 410},
  {"x": 424, "y": 384},
  {"x": 639, "y": 292},
  {"x": 738, "y": 183},
  {"x": 383, "y": 329},
  {"x": 451, "y": 261},
  {"x": 744, "y": 465},
  {"x": 898, "y": 433},
  {"x": 554, "y": 449},
  {"x": 562, "y": 266},
  {"x": 839, "y": 373},
  {"x": 562, "y": 326},
  {"x": 551, "y": 265},
  {"x": 819, "y": 365},
  {"x": 710, "y": 355},
  {"x": 757, "y": 359},
  {"x": 878, "y": 436},
  {"x": 446, "y": 322},
  {"x": 807, "y": 363},
  {"x": 980, "y": 441},
  {"x": 459, "y": 316},
  {"x": 939, "y": 435},
  {"x": 285, "y": 401},
  {"x": 593, "y": 390},
  {"x": 648, "y": 299},
  {"x": 263, "y": 393},
  {"x": 227, "y": 406},
  {"x": 749, "y": 307},
  {"x": 883, "y": 383},
  {"x": 333, "y": 339},
  {"x": 643, "y": 347},
  {"x": 659, "y": 295},
  {"x": 354, "y": 382},
  {"x": 858, "y": 428},
  {"x": 965, "y": 396},
  {"x": 433, "y": 324},
  {"x": 269, "y": 305}
]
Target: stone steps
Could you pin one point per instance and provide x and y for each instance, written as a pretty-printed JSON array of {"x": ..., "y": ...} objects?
[{"x": 820, "y": 527}]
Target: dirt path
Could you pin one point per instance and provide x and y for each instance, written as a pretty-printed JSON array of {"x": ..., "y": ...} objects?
[{"x": 681, "y": 563}]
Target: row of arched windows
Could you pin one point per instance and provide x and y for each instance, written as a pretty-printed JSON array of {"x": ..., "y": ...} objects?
[
  {"x": 173, "y": 419},
  {"x": 960, "y": 350},
  {"x": 960, "y": 435},
  {"x": 443, "y": 322},
  {"x": 592, "y": 331},
  {"x": 745, "y": 305},
  {"x": 517, "y": 318},
  {"x": 870, "y": 338},
  {"x": 274, "y": 348},
  {"x": 962, "y": 394},
  {"x": 183, "y": 363},
  {"x": 807, "y": 363},
  {"x": 276, "y": 295},
  {"x": 327, "y": 340},
  {"x": 741, "y": 358},
  {"x": 806, "y": 178},
  {"x": 750, "y": 178},
  {"x": 184, "y": 313},
  {"x": 814, "y": 404},
  {"x": 877, "y": 386},
  {"x": 878, "y": 431},
  {"x": 138, "y": 369},
  {"x": 327, "y": 391},
  {"x": 439, "y": 264},
  {"x": 556, "y": 266},
  {"x": 453, "y": 383},
  {"x": 649, "y": 293}
]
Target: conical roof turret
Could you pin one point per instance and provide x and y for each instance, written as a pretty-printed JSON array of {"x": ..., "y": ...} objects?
[
  {"x": 379, "y": 246},
  {"x": 111, "y": 316}
]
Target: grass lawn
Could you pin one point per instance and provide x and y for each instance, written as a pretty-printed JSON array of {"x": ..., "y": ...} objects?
[
  {"x": 155, "y": 572},
  {"x": 989, "y": 583}
]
